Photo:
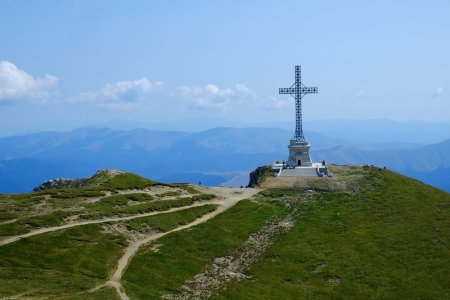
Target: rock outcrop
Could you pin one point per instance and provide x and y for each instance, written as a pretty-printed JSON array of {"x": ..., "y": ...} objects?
[{"x": 63, "y": 183}]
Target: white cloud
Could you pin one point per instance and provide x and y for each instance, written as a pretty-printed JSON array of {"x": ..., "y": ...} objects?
[
  {"x": 16, "y": 84},
  {"x": 277, "y": 103},
  {"x": 211, "y": 96},
  {"x": 244, "y": 90},
  {"x": 439, "y": 91},
  {"x": 120, "y": 95}
]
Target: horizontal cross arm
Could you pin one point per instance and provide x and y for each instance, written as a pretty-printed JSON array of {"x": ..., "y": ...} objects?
[
  {"x": 287, "y": 91},
  {"x": 309, "y": 90},
  {"x": 295, "y": 91}
]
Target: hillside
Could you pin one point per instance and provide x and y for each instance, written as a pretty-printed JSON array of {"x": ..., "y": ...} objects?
[
  {"x": 365, "y": 233},
  {"x": 429, "y": 163}
]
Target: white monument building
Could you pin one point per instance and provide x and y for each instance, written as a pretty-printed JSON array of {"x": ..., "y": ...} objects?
[
  {"x": 299, "y": 162},
  {"x": 299, "y": 154}
]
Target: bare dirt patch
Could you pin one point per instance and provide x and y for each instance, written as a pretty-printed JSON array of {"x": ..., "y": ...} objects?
[
  {"x": 345, "y": 178},
  {"x": 158, "y": 191}
]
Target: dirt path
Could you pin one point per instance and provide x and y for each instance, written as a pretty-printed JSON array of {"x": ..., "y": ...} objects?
[
  {"x": 16, "y": 238},
  {"x": 8, "y": 222},
  {"x": 226, "y": 198},
  {"x": 119, "y": 289}
]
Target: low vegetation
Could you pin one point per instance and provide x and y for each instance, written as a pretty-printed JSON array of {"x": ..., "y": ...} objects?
[
  {"x": 103, "y": 293},
  {"x": 126, "y": 181},
  {"x": 59, "y": 263},
  {"x": 364, "y": 233},
  {"x": 111, "y": 180},
  {"x": 390, "y": 241},
  {"x": 118, "y": 206},
  {"x": 183, "y": 254},
  {"x": 169, "y": 194},
  {"x": 26, "y": 224},
  {"x": 22, "y": 213},
  {"x": 166, "y": 222},
  {"x": 72, "y": 193},
  {"x": 67, "y": 264}
]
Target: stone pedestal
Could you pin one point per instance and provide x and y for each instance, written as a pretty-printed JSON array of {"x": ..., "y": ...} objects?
[{"x": 299, "y": 154}]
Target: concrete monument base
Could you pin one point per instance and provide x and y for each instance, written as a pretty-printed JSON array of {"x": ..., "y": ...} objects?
[
  {"x": 316, "y": 169},
  {"x": 299, "y": 154}
]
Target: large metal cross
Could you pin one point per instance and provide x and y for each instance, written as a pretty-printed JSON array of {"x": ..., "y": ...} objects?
[{"x": 298, "y": 90}]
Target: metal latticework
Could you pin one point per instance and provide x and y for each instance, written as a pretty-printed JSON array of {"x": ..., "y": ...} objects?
[{"x": 298, "y": 90}]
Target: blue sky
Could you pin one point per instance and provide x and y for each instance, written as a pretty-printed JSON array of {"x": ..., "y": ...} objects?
[{"x": 68, "y": 64}]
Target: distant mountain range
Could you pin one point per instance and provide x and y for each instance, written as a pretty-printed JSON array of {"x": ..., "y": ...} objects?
[{"x": 212, "y": 157}]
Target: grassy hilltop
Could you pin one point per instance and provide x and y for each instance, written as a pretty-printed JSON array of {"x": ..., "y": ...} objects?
[{"x": 365, "y": 233}]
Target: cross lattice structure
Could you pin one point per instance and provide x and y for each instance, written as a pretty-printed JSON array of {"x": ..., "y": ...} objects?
[{"x": 298, "y": 90}]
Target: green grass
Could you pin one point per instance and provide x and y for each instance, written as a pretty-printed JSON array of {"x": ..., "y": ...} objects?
[
  {"x": 7, "y": 215},
  {"x": 125, "y": 181},
  {"x": 385, "y": 237},
  {"x": 115, "y": 206},
  {"x": 183, "y": 254},
  {"x": 55, "y": 218},
  {"x": 13, "y": 229},
  {"x": 65, "y": 264},
  {"x": 75, "y": 193},
  {"x": 108, "y": 293},
  {"x": 391, "y": 242},
  {"x": 27, "y": 224},
  {"x": 169, "y": 194},
  {"x": 139, "y": 197},
  {"x": 156, "y": 206},
  {"x": 114, "y": 203},
  {"x": 104, "y": 180},
  {"x": 59, "y": 263},
  {"x": 280, "y": 193},
  {"x": 203, "y": 197},
  {"x": 166, "y": 222},
  {"x": 99, "y": 210},
  {"x": 14, "y": 206},
  {"x": 185, "y": 187}
]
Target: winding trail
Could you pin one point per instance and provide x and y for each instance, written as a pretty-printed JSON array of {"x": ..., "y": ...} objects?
[
  {"x": 227, "y": 198},
  {"x": 16, "y": 238}
]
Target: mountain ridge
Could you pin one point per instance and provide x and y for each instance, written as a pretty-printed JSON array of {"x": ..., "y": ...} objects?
[{"x": 214, "y": 157}]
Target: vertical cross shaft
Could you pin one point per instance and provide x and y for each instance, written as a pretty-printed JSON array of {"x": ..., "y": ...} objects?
[
  {"x": 298, "y": 105},
  {"x": 298, "y": 90}
]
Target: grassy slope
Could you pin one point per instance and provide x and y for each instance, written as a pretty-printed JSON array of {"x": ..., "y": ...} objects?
[
  {"x": 104, "y": 293},
  {"x": 59, "y": 262},
  {"x": 169, "y": 221},
  {"x": 391, "y": 242},
  {"x": 59, "y": 202},
  {"x": 184, "y": 254},
  {"x": 65, "y": 263}
]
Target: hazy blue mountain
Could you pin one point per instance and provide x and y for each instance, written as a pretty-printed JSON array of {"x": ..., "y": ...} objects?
[
  {"x": 353, "y": 131},
  {"x": 216, "y": 156},
  {"x": 26, "y": 161}
]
